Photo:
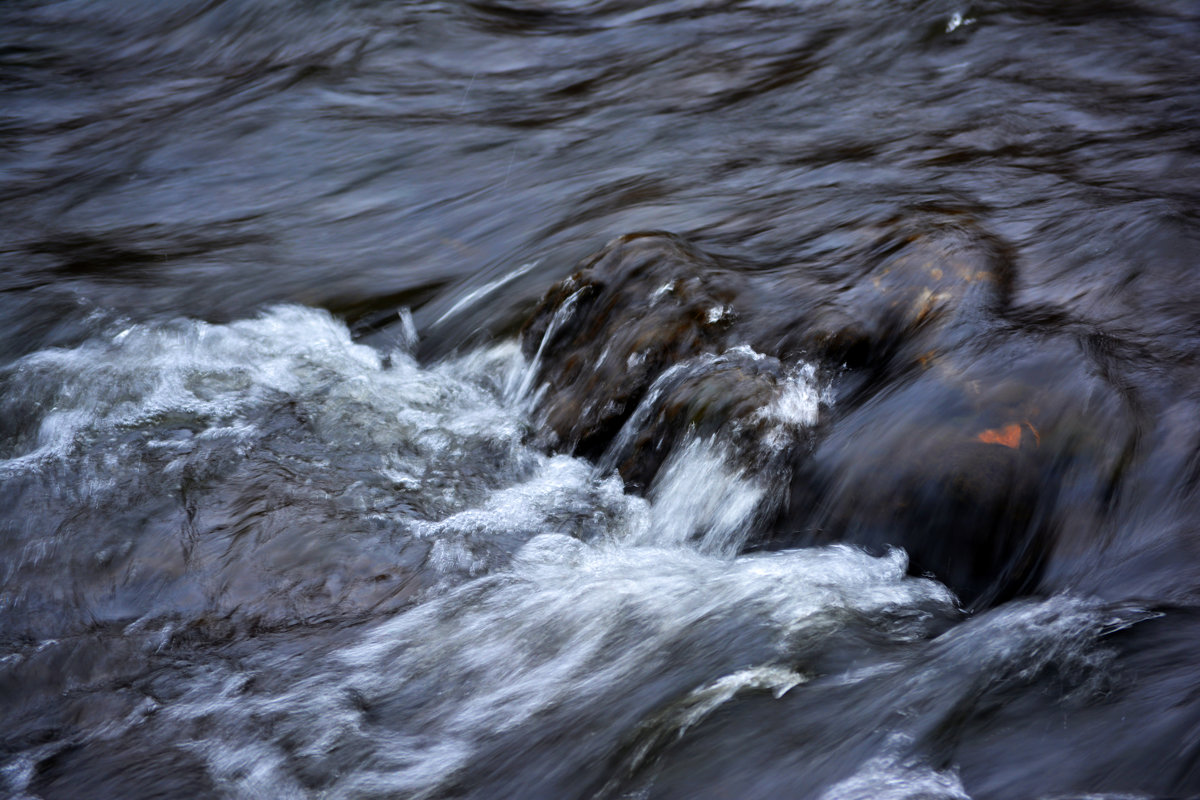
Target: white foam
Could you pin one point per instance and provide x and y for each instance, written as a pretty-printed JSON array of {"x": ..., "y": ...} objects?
[
  {"x": 800, "y": 399},
  {"x": 698, "y": 496},
  {"x": 894, "y": 777},
  {"x": 559, "y": 593}
]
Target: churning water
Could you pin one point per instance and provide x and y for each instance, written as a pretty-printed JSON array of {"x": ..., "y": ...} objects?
[{"x": 302, "y": 494}]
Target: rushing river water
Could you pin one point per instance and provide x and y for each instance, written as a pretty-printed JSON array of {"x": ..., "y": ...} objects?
[{"x": 874, "y": 473}]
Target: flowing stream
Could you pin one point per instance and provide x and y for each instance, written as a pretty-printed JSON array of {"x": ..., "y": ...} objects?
[{"x": 311, "y": 488}]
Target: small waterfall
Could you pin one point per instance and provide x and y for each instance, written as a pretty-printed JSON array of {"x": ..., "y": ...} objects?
[
  {"x": 699, "y": 497},
  {"x": 518, "y": 392},
  {"x": 705, "y": 495}
]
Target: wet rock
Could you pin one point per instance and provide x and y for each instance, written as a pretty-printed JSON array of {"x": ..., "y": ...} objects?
[
  {"x": 601, "y": 338},
  {"x": 906, "y": 296},
  {"x": 923, "y": 279},
  {"x": 729, "y": 396},
  {"x": 648, "y": 302}
]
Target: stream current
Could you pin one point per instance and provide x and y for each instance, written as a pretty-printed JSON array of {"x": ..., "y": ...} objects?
[{"x": 285, "y": 506}]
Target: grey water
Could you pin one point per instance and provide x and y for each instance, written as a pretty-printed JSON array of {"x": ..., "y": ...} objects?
[{"x": 281, "y": 512}]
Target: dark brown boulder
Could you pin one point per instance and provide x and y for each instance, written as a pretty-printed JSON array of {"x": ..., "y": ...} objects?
[
  {"x": 906, "y": 297},
  {"x": 601, "y": 338},
  {"x": 727, "y": 396},
  {"x": 649, "y": 301}
]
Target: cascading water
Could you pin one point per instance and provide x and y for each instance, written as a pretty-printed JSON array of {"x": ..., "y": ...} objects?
[
  {"x": 599, "y": 399},
  {"x": 487, "y": 601},
  {"x": 542, "y": 595}
]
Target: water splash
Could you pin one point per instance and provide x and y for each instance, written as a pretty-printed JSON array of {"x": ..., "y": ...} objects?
[{"x": 520, "y": 392}]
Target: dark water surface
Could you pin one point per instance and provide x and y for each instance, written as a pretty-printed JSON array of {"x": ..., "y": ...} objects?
[{"x": 874, "y": 474}]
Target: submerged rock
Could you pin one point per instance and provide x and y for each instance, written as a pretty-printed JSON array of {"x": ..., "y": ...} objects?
[
  {"x": 911, "y": 470},
  {"x": 899, "y": 298},
  {"x": 977, "y": 466}
]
